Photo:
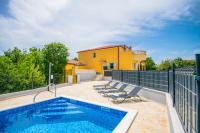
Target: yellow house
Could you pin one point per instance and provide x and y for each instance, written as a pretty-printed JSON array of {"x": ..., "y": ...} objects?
[{"x": 112, "y": 57}]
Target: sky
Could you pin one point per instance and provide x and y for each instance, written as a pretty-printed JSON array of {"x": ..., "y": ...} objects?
[{"x": 166, "y": 29}]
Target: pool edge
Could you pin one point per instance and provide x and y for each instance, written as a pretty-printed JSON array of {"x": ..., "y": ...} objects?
[{"x": 122, "y": 126}]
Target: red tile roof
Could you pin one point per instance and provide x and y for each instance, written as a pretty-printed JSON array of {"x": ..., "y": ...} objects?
[{"x": 104, "y": 47}]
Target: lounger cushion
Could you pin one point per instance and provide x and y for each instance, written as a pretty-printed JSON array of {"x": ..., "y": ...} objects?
[
  {"x": 108, "y": 83},
  {"x": 129, "y": 91},
  {"x": 118, "y": 95}
]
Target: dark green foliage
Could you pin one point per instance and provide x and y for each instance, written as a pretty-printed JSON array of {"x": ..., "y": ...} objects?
[
  {"x": 6, "y": 67},
  {"x": 178, "y": 62},
  {"x": 22, "y": 70},
  {"x": 150, "y": 64},
  {"x": 57, "y": 54},
  {"x": 14, "y": 55}
]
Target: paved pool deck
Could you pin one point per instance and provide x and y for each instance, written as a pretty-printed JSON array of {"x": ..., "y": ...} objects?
[{"x": 151, "y": 118}]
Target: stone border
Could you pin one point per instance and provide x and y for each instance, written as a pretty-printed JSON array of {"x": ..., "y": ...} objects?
[
  {"x": 126, "y": 122},
  {"x": 154, "y": 95},
  {"x": 175, "y": 124},
  {"x": 21, "y": 93},
  {"x": 27, "y": 92}
]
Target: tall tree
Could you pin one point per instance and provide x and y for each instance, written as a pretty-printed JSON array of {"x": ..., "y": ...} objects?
[
  {"x": 150, "y": 64},
  {"x": 57, "y": 54}
]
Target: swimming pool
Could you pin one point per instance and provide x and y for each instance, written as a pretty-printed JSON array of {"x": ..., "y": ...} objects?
[{"x": 63, "y": 115}]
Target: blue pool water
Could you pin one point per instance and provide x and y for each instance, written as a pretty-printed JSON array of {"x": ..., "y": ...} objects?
[{"x": 60, "y": 115}]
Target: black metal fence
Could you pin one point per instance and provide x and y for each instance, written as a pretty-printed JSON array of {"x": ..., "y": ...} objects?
[
  {"x": 108, "y": 73},
  {"x": 152, "y": 79},
  {"x": 117, "y": 75},
  {"x": 183, "y": 89},
  {"x": 181, "y": 84}
]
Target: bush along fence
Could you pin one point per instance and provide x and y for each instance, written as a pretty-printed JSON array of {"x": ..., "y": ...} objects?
[{"x": 182, "y": 84}]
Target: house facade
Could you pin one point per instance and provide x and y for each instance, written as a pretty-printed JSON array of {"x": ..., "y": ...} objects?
[{"x": 112, "y": 57}]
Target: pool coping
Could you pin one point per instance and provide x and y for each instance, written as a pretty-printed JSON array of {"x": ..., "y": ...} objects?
[{"x": 122, "y": 126}]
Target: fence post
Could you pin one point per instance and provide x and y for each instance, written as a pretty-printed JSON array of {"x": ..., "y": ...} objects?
[
  {"x": 138, "y": 77},
  {"x": 168, "y": 79},
  {"x": 198, "y": 91},
  {"x": 173, "y": 82},
  {"x": 112, "y": 75},
  {"x": 122, "y": 76},
  {"x": 32, "y": 81}
]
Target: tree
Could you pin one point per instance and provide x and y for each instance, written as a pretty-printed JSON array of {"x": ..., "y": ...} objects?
[
  {"x": 6, "y": 66},
  {"x": 57, "y": 54},
  {"x": 178, "y": 62},
  {"x": 150, "y": 64},
  {"x": 31, "y": 67},
  {"x": 165, "y": 65},
  {"x": 20, "y": 70},
  {"x": 36, "y": 57},
  {"x": 15, "y": 55}
]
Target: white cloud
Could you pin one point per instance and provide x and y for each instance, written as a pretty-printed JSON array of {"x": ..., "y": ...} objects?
[{"x": 83, "y": 23}]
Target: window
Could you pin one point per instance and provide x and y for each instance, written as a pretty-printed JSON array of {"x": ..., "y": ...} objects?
[
  {"x": 94, "y": 55},
  {"x": 105, "y": 68},
  {"x": 112, "y": 65}
]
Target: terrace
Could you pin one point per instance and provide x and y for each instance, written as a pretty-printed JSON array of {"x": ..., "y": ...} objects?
[
  {"x": 152, "y": 116},
  {"x": 170, "y": 99}
]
